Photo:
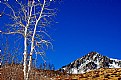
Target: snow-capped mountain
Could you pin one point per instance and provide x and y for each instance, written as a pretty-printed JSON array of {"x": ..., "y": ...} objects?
[{"x": 90, "y": 62}]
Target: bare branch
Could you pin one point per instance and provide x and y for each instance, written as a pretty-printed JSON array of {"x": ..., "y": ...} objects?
[{"x": 10, "y": 8}]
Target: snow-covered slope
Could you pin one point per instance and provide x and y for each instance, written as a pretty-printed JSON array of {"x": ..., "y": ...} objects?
[{"x": 90, "y": 62}]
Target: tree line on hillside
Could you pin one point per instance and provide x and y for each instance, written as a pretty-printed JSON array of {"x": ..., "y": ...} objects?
[{"x": 7, "y": 59}]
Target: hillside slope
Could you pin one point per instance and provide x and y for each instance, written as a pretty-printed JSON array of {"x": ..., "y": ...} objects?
[
  {"x": 14, "y": 72},
  {"x": 99, "y": 74}
]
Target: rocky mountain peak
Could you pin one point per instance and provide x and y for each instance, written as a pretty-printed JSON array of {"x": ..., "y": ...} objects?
[{"x": 91, "y": 61}]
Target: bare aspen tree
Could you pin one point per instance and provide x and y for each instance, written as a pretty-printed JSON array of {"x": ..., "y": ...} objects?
[{"x": 30, "y": 18}]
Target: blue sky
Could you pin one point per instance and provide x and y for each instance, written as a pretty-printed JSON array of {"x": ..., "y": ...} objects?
[{"x": 84, "y": 26}]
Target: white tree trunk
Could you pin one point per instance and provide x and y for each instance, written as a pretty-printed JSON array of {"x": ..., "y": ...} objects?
[
  {"x": 25, "y": 44},
  {"x": 32, "y": 43},
  {"x": 25, "y": 53}
]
